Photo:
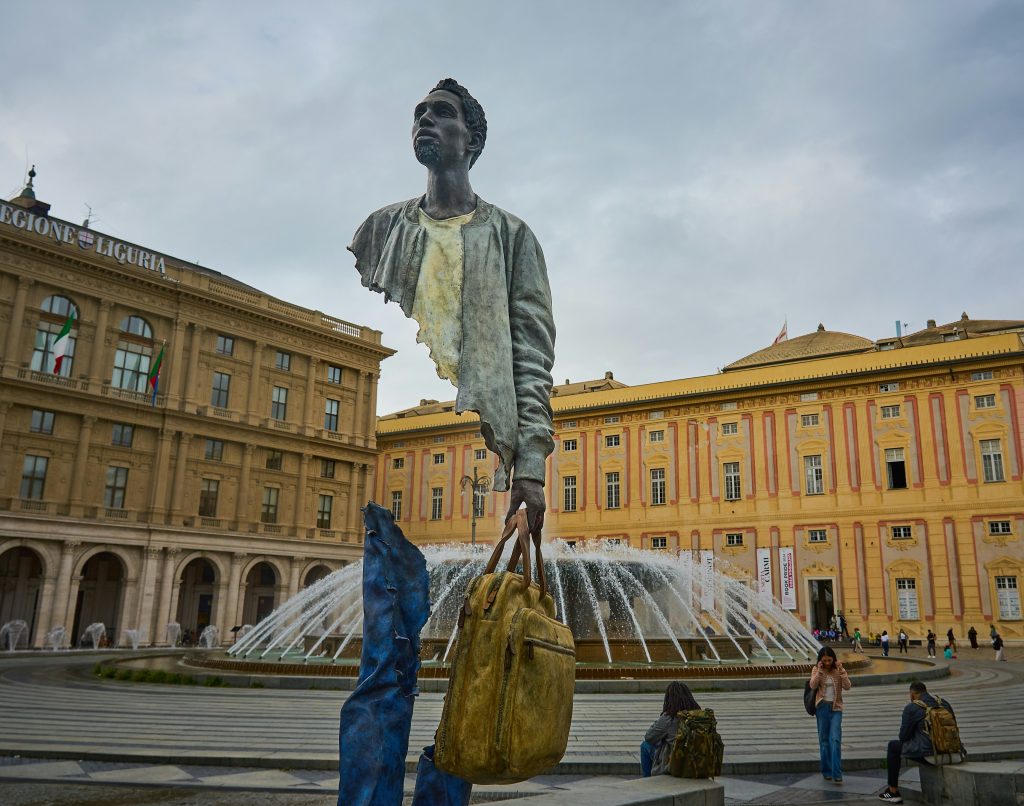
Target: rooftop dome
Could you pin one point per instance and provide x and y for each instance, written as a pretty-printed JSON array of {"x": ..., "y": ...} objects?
[{"x": 819, "y": 344}]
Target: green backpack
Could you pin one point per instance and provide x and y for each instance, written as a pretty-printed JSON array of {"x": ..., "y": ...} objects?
[{"x": 698, "y": 749}]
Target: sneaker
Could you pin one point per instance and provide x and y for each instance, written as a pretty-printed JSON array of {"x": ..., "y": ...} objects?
[
  {"x": 889, "y": 797},
  {"x": 827, "y": 777},
  {"x": 839, "y": 781}
]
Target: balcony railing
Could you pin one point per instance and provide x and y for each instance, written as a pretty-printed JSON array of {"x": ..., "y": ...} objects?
[
  {"x": 211, "y": 523},
  {"x": 26, "y": 374},
  {"x": 115, "y": 514},
  {"x": 33, "y": 505}
]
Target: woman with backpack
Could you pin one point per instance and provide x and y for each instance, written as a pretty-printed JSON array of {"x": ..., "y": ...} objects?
[
  {"x": 656, "y": 750},
  {"x": 829, "y": 680}
]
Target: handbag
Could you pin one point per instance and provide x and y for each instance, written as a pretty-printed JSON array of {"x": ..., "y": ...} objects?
[{"x": 810, "y": 695}]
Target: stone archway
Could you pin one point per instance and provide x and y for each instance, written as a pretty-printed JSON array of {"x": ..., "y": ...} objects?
[
  {"x": 315, "y": 574},
  {"x": 100, "y": 596},
  {"x": 21, "y": 584},
  {"x": 197, "y": 598},
  {"x": 262, "y": 592}
]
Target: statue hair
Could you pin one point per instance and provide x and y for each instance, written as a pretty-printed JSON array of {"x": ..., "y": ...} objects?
[{"x": 476, "y": 121}]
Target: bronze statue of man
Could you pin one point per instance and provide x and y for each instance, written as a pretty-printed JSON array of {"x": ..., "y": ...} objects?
[{"x": 473, "y": 277}]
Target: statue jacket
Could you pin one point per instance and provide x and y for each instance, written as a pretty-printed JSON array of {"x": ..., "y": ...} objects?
[{"x": 508, "y": 332}]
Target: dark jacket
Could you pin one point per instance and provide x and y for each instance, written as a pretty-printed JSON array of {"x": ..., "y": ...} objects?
[
  {"x": 662, "y": 734},
  {"x": 916, "y": 743}
]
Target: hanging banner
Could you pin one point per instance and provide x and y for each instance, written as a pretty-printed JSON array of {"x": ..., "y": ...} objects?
[
  {"x": 707, "y": 580},
  {"x": 764, "y": 573},
  {"x": 787, "y": 571}
]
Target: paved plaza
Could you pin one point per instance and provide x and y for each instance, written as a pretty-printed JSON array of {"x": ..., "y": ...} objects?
[{"x": 66, "y": 731}]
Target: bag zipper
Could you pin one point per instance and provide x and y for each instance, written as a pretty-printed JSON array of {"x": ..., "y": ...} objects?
[
  {"x": 506, "y": 675},
  {"x": 460, "y": 650},
  {"x": 532, "y": 642}
]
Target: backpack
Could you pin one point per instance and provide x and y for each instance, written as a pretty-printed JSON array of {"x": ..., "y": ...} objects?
[
  {"x": 509, "y": 703},
  {"x": 941, "y": 728},
  {"x": 698, "y": 749}
]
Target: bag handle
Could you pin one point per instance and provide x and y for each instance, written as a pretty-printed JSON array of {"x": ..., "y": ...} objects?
[
  {"x": 521, "y": 548},
  {"x": 519, "y": 526}
]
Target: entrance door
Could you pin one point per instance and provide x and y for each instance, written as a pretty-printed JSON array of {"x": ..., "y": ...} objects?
[
  {"x": 203, "y": 613},
  {"x": 264, "y": 607},
  {"x": 822, "y": 604}
]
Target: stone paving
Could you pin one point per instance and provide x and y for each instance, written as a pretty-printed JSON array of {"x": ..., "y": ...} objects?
[{"x": 71, "y": 728}]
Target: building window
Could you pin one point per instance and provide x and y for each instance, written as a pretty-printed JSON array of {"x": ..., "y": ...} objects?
[
  {"x": 480, "y": 454},
  {"x": 323, "y": 512},
  {"x": 657, "y": 414},
  {"x": 569, "y": 493},
  {"x": 274, "y": 460},
  {"x": 225, "y": 344},
  {"x": 282, "y": 361},
  {"x": 398, "y": 463},
  {"x": 906, "y": 595},
  {"x": 131, "y": 366},
  {"x": 122, "y": 435},
  {"x": 438, "y": 458},
  {"x": 954, "y": 336},
  {"x": 327, "y": 467},
  {"x": 478, "y": 502},
  {"x": 614, "y": 418},
  {"x": 888, "y": 387},
  {"x": 56, "y": 311},
  {"x": 611, "y": 441},
  {"x": 42, "y": 422},
  {"x": 814, "y": 475},
  {"x": 985, "y": 375},
  {"x": 279, "y": 403},
  {"x": 568, "y": 445},
  {"x": 729, "y": 429},
  {"x": 890, "y": 412},
  {"x": 732, "y": 481},
  {"x": 1009, "y": 598},
  {"x": 570, "y": 544},
  {"x": 992, "y": 460},
  {"x": 220, "y": 390},
  {"x": 657, "y": 486},
  {"x": 611, "y": 484},
  {"x": 817, "y": 536},
  {"x": 333, "y": 374},
  {"x": 569, "y": 424},
  {"x": 331, "y": 409},
  {"x": 268, "y": 512},
  {"x": 808, "y": 397},
  {"x": 896, "y": 468},
  {"x": 209, "y": 489},
  {"x": 436, "y": 503},
  {"x": 656, "y": 436},
  {"x": 901, "y": 532},
  {"x": 734, "y": 539},
  {"x": 807, "y": 420},
  {"x": 999, "y": 528},
  {"x": 117, "y": 482},
  {"x": 396, "y": 504},
  {"x": 438, "y": 440},
  {"x": 984, "y": 401},
  {"x": 214, "y": 450},
  {"x": 33, "y": 477},
  {"x": 659, "y": 542},
  {"x": 613, "y": 542}
]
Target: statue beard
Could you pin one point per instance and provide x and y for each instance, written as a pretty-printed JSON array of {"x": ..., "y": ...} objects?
[{"x": 428, "y": 152}]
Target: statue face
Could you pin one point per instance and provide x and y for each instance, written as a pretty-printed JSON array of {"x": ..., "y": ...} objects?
[{"x": 440, "y": 136}]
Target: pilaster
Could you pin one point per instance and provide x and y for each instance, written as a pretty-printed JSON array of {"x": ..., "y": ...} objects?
[
  {"x": 180, "y": 462},
  {"x": 166, "y": 589},
  {"x": 242, "y": 498},
  {"x": 97, "y": 359},
  {"x": 81, "y": 465},
  {"x": 13, "y": 342}
]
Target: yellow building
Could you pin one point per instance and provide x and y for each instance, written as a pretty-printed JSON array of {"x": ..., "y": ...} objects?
[
  {"x": 210, "y": 504},
  {"x": 886, "y": 474}
]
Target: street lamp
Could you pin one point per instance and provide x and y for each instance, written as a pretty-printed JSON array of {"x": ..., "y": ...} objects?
[{"x": 480, "y": 485}]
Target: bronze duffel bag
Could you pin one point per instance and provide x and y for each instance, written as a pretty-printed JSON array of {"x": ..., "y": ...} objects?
[{"x": 509, "y": 703}]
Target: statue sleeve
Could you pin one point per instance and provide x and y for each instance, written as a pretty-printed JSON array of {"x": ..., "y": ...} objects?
[{"x": 533, "y": 354}]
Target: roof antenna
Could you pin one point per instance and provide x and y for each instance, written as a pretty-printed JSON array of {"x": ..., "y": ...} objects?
[{"x": 85, "y": 223}]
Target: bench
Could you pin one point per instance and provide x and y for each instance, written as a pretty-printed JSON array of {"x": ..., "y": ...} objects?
[
  {"x": 659, "y": 790},
  {"x": 992, "y": 783}
]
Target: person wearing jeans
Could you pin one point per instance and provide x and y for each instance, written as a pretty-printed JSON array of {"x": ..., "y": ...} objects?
[
  {"x": 829, "y": 680},
  {"x": 656, "y": 749}
]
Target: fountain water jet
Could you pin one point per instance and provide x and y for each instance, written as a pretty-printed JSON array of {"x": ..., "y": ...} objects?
[
  {"x": 55, "y": 638},
  {"x": 135, "y": 637},
  {"x": 209, "y": 637},
  {"x": 94, "y": 633},
  {"x": 173, "y": 633},
  {"x": 10, "y": 634}
]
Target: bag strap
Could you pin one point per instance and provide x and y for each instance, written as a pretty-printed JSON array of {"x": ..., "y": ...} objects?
[
  {"x": 516, "y": 526},
  {"x": 523, "y": 549}
]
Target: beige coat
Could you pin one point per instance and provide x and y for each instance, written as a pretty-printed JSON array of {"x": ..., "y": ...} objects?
[{"x": 839, "y": 677}]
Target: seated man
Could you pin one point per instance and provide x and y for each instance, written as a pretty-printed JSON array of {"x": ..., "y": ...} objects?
[{"x": 913, "y": 741}]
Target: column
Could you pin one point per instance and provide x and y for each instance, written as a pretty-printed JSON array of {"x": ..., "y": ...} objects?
[
  {"x": 254, "y": 379},
  {"x": 44, "y": 622},
  {"x": 235, "y": 576},
  {"x": 147, "y": 586},
  {"x": 5, "y": 406},
  {"x": 59, "y": 608},
  {"x": 371, "y": 428},
  {"x": 358, "y": 427},
  {"x": 368, "y": 471},
  {"x": 166, "y": 588},
  {"x": 129, "y": 611},
  {"x": 17, "y": 318},
  {"x": 193, "y": 365},
  {"x": 354, "y": 504},
  {"x": 293, "y": 580},
  {"x": 81, "y": 465},
  {"x": 219, "y": 611},
  {"x": 97, "y": 362},
  {"x": 158, "y": 486},
  {"x": 307, "y": 419},
  {"x": 240, "y": 603},
  {"x": 242, "y": 499},
  {"x": 176, "y": 386},
  {"x": 181, "y": 461},
  {"x": 298, "y": 517}
]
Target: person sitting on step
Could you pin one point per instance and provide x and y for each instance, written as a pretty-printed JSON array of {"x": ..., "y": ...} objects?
[
  {"x": 913, "y": 742},
  {"x": 656, "y": 750}
]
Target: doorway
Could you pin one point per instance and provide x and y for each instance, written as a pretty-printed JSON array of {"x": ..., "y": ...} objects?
[{"x": 822, "y": 601}]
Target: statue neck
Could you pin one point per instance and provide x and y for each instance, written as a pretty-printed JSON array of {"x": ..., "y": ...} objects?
[{"x": 449, "y": 193}]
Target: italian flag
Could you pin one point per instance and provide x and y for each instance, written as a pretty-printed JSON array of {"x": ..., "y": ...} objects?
[
  {"x": 154, "y": 373},
  {"x": 62, "y": 343}
]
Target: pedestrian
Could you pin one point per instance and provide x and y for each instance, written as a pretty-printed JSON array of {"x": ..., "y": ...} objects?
[
  {"x": 997, "y": 645},
  {"x": 885, "y": 643},
  {"x": 829, "y": 680},
  {"x": 843, "y": 631},
  {"x": 913, "y": 742},
  {"x": 972, "y": 636},
  {"x": 903, "y": 641},
  {"x": 952, "y": 639},
  {"x": 992, "y": 632},
  {"x": 856, "y": 641},
  {"x": 931, "y": 643},
  {"x": 948, "y": 652},
  {"x": 656, "y": 749}
]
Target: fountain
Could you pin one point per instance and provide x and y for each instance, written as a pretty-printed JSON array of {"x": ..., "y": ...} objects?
[
  {"x": 134, "y": 637},
  {"x": 10, "y": 634},
  {"x": 210, "y": 637},
  {"x": 645, "y": 610},
  {"x": 246, "y": 629},
  {"x": 95, "y": 633},
  {"x": 55, "y": 638},
  {"x": 173, "y": 633}
]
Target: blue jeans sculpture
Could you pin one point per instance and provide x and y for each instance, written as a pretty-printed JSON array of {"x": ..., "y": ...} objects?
[{"x": 375, "y": 719}]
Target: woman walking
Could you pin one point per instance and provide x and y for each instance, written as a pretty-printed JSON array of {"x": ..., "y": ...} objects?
[
  {"x": 857, "y": 647},
  {"x": 972, "y": 636},
  {"x": 931, "y": 643},
  {"x": 904, "y": 641},
  {"x": 656, "y": 750},
  {"x": 952, "y": 640},
  {"x": 885, "y": 643},
  {"x": 829, "y": 680},
  {"x": 997, "y": 645}
]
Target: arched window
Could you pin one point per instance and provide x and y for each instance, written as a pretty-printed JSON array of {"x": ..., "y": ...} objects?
[
  {"x": 134, "y": 354},
  {"x": 55, "y": 312}
]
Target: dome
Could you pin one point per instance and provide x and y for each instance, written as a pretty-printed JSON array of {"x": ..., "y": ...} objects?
[{"x": 820, "y": 344}]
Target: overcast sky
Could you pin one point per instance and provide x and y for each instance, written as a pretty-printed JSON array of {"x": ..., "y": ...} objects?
[{"x": 695, "y": 172}]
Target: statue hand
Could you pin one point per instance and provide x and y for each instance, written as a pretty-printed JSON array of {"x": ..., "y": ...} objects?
[{"x": 532, "y": 493}]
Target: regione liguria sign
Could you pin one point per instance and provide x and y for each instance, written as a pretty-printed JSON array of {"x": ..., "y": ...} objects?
[
  {"x": 65, "y": 234},
  {"x": 787, "y": 577}
]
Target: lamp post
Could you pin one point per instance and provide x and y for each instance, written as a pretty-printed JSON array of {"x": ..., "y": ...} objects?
[{"x": 480, "y": 485}]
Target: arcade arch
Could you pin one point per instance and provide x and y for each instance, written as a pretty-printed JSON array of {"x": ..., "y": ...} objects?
[
  {"x": 262, "y": 587},
  {"x": 21, "y": 584},
  {"x": 100, "y": 596},
  {"x": 197, "y": 594}
]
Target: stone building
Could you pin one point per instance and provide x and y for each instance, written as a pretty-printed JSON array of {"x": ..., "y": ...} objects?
[
  {"x": 238, "y": 486},
  {"x": 878, "y": 478}
]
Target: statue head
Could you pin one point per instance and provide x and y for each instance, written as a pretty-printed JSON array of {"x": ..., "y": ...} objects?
[{"x": 449, "y": 126}]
